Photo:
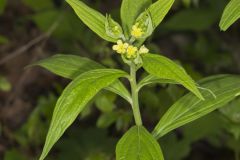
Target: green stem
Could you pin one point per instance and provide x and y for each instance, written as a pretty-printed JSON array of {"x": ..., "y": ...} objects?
[{"x": 135, "y": 103}]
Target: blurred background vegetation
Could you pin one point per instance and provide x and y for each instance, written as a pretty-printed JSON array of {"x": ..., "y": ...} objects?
[{"x": 34, "y": 29}]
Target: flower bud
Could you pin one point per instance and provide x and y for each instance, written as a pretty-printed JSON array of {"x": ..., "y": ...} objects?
[
  {"x": 113, "y": 29},
  {"x": 143, "y": 27},
  {"x": 131, "y": 52},
  {"x": 120, "y": 47},
  {"x": 143, "y": 50}
]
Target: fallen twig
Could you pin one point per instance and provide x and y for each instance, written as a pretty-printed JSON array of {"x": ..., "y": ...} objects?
[{"x": 24, "y": 48}]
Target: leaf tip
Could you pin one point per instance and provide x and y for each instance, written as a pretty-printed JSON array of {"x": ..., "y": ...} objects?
[
  {"x": 42, "y": 157},
  {"x": 200, "y": 96},
  {"x": 222, "y": 27}
]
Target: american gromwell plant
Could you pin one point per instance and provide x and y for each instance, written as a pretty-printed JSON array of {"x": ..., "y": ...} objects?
[{"x": 139, "y": 20}]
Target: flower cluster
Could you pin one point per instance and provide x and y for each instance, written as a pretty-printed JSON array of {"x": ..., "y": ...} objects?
[
  {"x": 137, "y": 31},
  {"x": 120, "y": 47},
  {"x": 128, "y": 50}
]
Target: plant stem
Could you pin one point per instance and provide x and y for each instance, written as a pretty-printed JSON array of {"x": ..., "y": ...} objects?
[{"x": 134, "y": 90}]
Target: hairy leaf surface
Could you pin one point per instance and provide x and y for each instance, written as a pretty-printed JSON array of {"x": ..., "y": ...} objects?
[
  {"x": 92, "y": 18},
  {"x": 230, "y": 14},
  {"x": 164, "y": 68},
  {"x": 190, "y": 108},
  {"x": 68, "y": 66},
  {"x": 73, "y": 100},
  {"x": 159, "y": 10},
  {"x": 71, "y": 66}
]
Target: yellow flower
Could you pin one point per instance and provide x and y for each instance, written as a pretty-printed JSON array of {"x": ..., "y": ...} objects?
[
  {"x": 120, "y": 47},
  {"x": 116, "y": 28},
  {"x": 136, "y": 31},
  {"x": 143, "y": 50},
  {"x": 131, "y": 51}
]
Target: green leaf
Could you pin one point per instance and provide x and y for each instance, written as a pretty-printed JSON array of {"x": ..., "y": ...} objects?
[
  {"x": 138, "y": 144},
  {"x": 68, "y": 66},
  {"x": 190, "y": 108},
  {"x": 150, "y": 79},
  {"x": 71, "y": 66},
  {"x": 92, "y": 18},
  {"x": 230, "y": 14},
  {"x": 73, "y": 100},
  {"x": 130, "y": 10},
  {"x": 159, "y": 10},
  {"x": 164, "y": 68}
]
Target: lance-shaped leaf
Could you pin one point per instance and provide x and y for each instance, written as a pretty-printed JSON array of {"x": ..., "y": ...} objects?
[
  {"x": 71, "y": 66},
  {"x": 190, "y": 108},
  {"x": 68, "y": 66},
  {"x": 164, "y": 68},
  {"x": 130, "y": 10},
  {"x": 92, "y": 18},
  {"x": 138, "y": 144},
  {"x": 73, "y": 100},
  {"x": 230, "y": 14},
  {"x": 159, "y": 10}
]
